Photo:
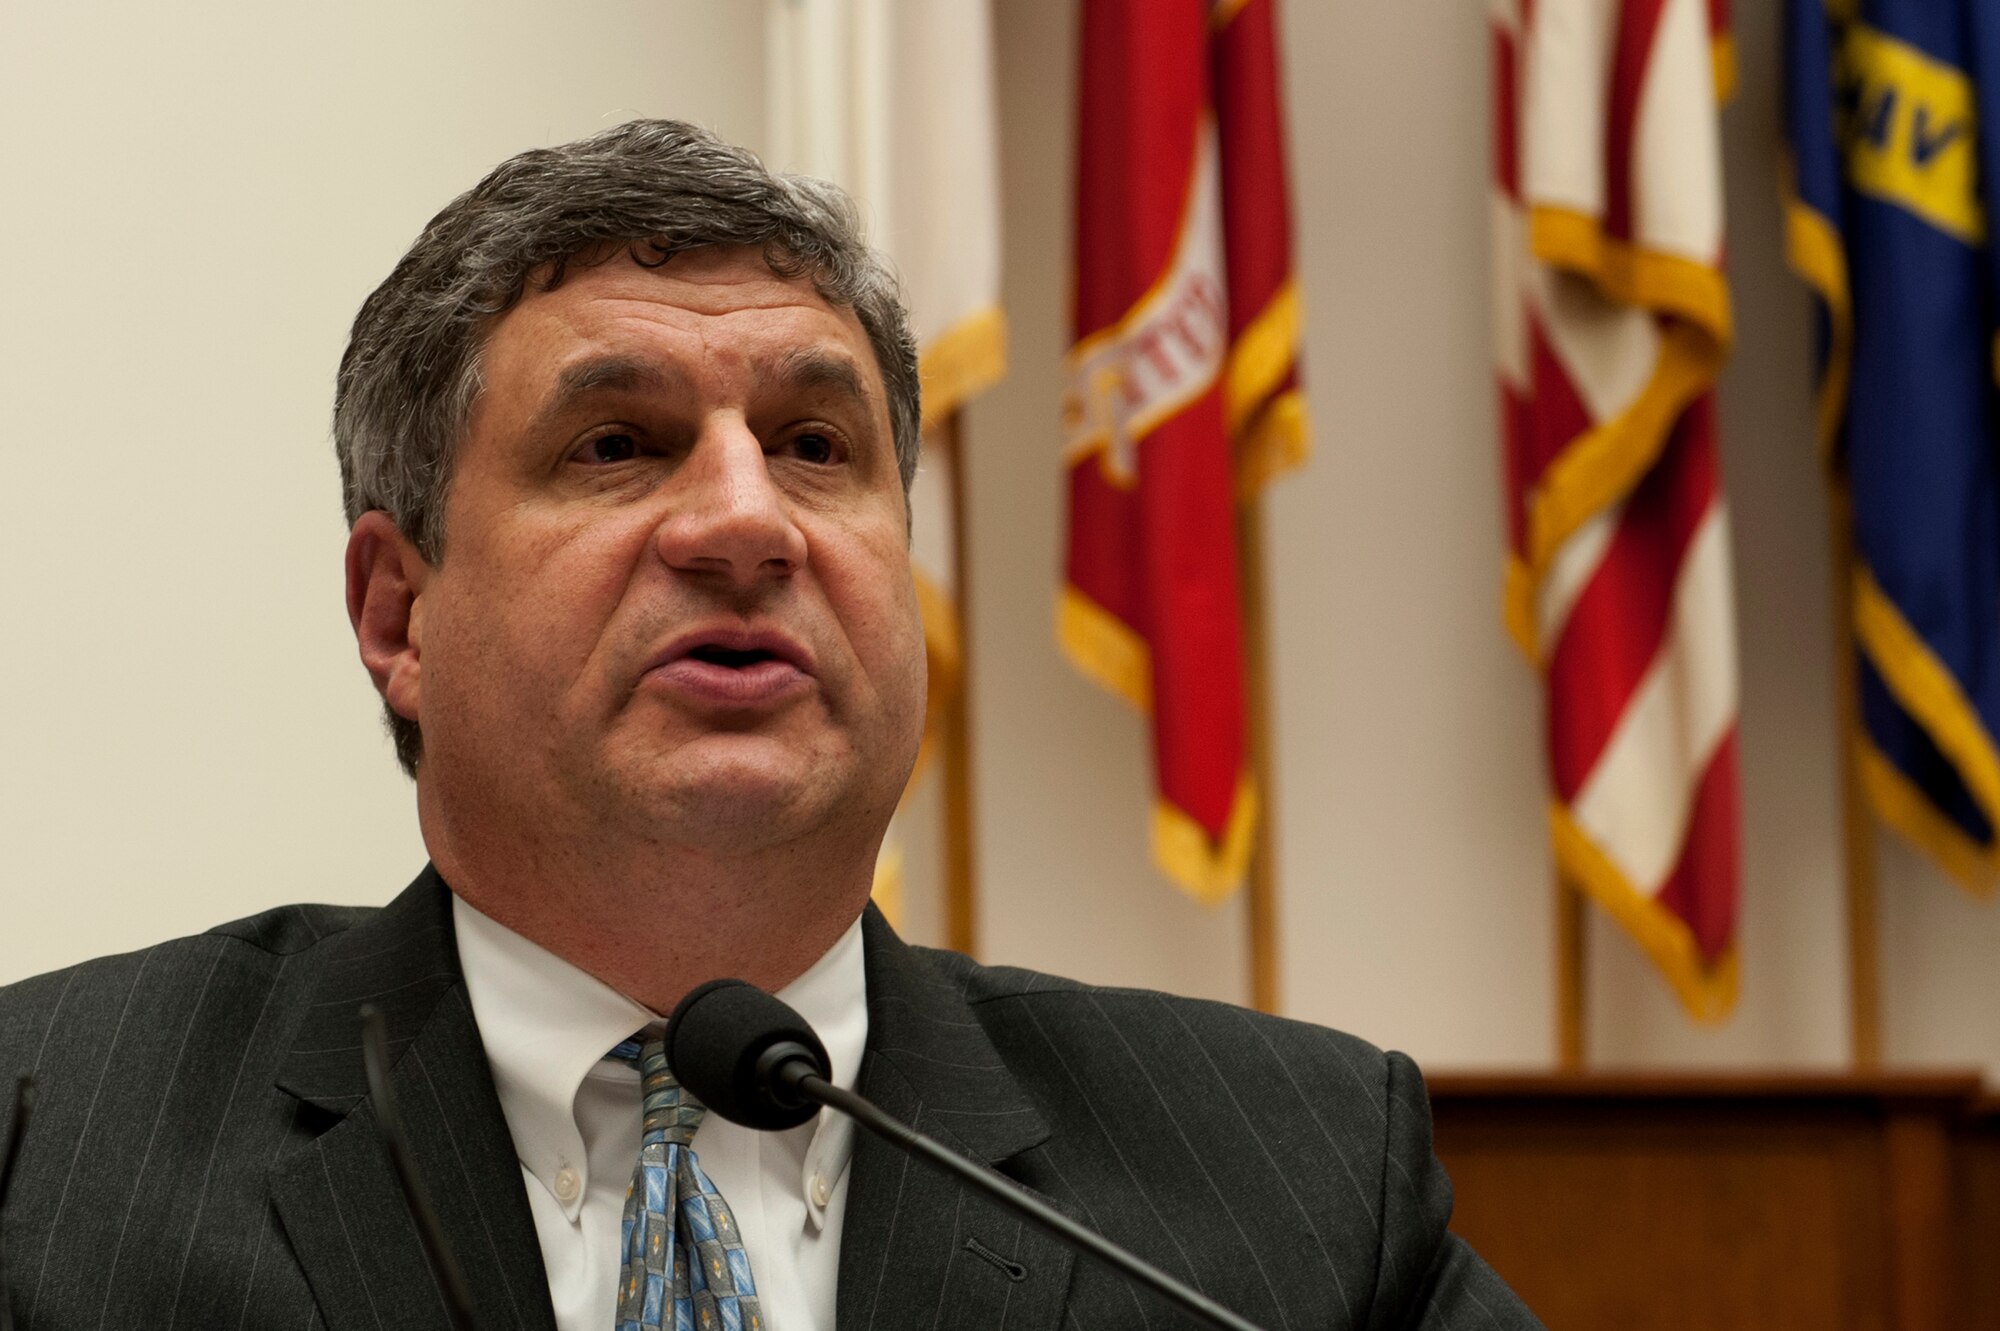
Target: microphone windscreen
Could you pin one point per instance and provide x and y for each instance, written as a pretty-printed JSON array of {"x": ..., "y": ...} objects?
[{"x": 714, "y": 1040}]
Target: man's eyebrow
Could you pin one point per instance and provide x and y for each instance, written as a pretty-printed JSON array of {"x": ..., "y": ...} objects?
[
  {"x": 599, "y": 374},
  {"x": 801, "y": 370},
  {"x": 814, "y": 369}
]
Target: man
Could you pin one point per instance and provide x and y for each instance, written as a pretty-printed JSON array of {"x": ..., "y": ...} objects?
[{"x": 626, "y": 440}]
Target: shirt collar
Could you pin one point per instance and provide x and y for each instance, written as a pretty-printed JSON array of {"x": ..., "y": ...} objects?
[
  {"x": 832, "y": 995},
  {"x": 546, "y": 1025}
]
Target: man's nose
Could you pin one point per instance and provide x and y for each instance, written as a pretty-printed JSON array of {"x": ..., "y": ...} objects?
[{"x": 729, "y": 517}]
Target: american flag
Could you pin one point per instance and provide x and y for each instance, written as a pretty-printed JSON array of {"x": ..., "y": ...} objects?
[{"x": 1612, "y": 319}]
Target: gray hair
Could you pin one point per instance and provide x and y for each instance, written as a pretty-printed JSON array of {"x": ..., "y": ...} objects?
[{"x": 411, "y": 372}]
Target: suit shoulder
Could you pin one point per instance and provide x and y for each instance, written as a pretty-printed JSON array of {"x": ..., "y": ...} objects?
[
  {"x": 101, "y": 993},
  {"x": 978, "y": 983},
  {"x": 284, "y": 930},
  {"x": 1090, "y": 1021}
]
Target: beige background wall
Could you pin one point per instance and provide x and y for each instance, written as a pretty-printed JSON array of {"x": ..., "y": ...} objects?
[{"x": 197, "y": 197}]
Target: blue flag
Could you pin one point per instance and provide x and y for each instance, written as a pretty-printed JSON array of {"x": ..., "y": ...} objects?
[{"x": 1893, "y": 115}]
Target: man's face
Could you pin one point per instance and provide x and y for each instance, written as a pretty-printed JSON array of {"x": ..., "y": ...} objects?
[{"x": 675, "y": 592}]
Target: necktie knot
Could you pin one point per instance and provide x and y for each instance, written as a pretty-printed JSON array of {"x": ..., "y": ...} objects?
[{"x": 671, "y": 1113}]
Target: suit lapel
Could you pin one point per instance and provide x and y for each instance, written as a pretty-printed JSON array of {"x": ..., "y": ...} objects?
[
  {"x": 919, "y": 1249},
  {"x": 337, "y": 1197}
]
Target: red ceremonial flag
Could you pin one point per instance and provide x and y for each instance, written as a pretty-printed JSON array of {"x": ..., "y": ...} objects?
[
  {"x": 1613, "y": 319},
  {"x": 1183, "y": 394}
]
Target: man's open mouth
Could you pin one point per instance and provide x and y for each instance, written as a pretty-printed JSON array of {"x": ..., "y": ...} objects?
[
  {"x": 734, "y": 668},
  {"x": 731, "y": 656}
]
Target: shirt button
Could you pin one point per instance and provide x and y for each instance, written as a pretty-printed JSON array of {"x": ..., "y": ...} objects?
[
  {"x": 568, "y": 1185},
  {"x": 822, "y": 1191}
]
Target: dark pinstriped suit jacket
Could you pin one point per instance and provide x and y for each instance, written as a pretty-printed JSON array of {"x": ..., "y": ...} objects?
[{"x": 203, "y": 1154}]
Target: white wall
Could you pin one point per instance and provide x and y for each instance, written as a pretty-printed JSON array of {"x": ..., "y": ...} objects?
[{"x": 197, "y": 197}]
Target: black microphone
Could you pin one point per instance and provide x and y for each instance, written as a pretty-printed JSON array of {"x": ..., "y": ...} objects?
[
  {"x": 750, "y": 1058},
  {"x": 745, "y": 1052}
]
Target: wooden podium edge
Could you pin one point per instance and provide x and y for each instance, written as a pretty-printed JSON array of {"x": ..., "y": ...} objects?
[{"x": 1966, "y": 1086}]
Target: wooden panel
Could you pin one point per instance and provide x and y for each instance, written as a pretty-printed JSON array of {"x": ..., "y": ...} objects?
[
  {"x": 1654, "y": 1219},
  {"x": 1918, "y": 1147},
  {"x": 1976, "y": 1220},
  {"x": 1717, "y": 1202}
]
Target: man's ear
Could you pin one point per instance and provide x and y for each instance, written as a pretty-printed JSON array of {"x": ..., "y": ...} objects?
[{"x": 385, "y": 580}]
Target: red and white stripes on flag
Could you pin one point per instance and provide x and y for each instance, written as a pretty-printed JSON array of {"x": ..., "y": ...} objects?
[{"x": 1612, "y": 320}]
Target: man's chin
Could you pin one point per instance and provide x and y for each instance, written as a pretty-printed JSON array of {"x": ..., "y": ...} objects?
[
  {"x": 740, "y": 792},
  {"x": 731, "y": 805},
  {"x": 736, "y": 811}
]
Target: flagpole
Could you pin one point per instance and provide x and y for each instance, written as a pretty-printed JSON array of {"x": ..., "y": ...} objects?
[
  {"x": 1263, "y": 871},
  {"x": 961, "y": 895},
  {"x": 1572, "y": 951},
  {"x": 1864, "y": 996}
]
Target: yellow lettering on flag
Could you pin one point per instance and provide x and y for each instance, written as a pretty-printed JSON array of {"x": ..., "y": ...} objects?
[{"x": 1912, "y": 137}]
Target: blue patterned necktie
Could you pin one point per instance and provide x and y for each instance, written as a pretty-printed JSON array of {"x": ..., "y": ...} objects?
[{"x": 684, "y": 1265}]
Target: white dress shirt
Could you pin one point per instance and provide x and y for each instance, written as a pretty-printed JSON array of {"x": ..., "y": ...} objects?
[{"x": 576, "y": 1125}]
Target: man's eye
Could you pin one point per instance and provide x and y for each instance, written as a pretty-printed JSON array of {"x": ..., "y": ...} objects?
[
  {"x": 609, "y": 448},
  {"x": 815, "y": 448}
]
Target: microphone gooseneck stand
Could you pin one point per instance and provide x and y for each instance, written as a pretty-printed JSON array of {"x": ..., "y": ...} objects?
[
  {"x": 819, "y": 1090},
  {"x": 750, "y": 1058},
  {"x": 389, "y": 1124},
  {"x": 24, "y": 1102}
]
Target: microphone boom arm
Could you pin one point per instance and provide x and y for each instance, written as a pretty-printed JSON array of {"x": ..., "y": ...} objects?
[{"x": 798, "y": 1076}]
